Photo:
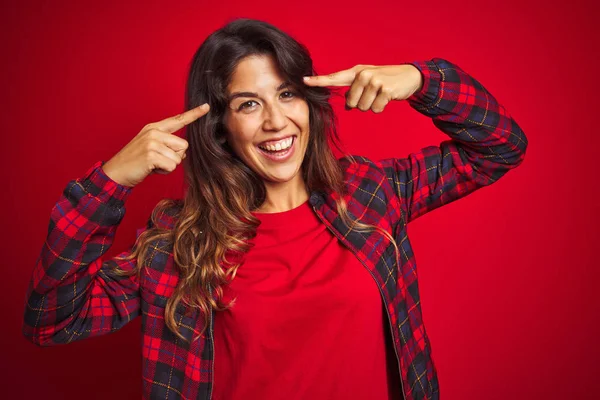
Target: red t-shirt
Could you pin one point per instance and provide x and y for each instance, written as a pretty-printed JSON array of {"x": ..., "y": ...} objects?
[{"x": 308, "y": 322}]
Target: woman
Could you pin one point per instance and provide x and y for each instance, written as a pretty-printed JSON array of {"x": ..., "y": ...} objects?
[{"x": 313, "y": 250}]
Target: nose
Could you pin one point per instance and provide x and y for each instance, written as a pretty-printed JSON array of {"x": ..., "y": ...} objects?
[{"x": 275, "y": 118}]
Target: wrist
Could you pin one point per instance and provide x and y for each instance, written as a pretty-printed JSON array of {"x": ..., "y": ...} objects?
[
  {"x": 112, "y": 174},
  {"x": 418, "y": 79}
]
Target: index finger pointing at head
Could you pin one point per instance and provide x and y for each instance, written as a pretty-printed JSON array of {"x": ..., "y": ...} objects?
[
  {"x": 341, "y": 78},
  {"x": 175, "y": 123}
]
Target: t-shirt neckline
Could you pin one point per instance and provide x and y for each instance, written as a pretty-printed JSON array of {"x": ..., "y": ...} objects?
[{"x": 289, "y": 217}]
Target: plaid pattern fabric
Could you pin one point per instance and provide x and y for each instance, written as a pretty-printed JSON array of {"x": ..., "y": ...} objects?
[{"x": 73, "y": 294}]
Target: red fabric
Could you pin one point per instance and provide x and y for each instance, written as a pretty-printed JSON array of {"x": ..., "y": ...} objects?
[
  {"x": 75, "y": 294},
  {"x": 308, "y": 322}
]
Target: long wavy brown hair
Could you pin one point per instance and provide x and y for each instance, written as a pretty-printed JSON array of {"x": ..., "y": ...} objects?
[{"x": 214, "y": 216}]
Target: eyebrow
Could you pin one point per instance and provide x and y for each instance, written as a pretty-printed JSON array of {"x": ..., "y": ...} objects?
[{"x": 235, "y": 95}]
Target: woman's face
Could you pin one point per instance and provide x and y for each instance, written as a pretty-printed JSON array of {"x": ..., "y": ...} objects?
[{"x": 262, "y": 109}]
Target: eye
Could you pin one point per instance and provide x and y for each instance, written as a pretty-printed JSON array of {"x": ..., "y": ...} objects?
[
  {"x": 291, "y": 93},
  {"x": 243, "y": 105}
]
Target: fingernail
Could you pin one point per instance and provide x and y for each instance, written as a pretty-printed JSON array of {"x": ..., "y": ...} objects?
[{"x": 307, "y": 78}]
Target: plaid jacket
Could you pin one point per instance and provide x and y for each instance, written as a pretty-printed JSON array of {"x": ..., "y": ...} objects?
[{"x": 74, "y": 295}]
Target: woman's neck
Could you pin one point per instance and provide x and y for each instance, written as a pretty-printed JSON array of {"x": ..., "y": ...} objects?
[{"x": 284, "y": 196}]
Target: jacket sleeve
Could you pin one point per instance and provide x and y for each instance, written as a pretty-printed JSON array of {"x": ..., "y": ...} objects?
[
  {"x": 72, "y": 293},
  {"x": 485, "y": 141}
]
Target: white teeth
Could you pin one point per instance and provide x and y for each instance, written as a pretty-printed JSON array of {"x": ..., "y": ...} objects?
[{"x": 281, "y": 145}]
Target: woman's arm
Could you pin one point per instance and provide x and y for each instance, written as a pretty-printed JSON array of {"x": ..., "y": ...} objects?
[
  {"x": 73, "y": 294},
  {"x": 485, "y": 141}
]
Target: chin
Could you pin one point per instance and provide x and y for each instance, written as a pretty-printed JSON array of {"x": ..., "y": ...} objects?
[{"x": 279, "y": 178}]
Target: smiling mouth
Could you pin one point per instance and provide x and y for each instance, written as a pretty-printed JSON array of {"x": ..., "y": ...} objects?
[
  {"x": 281, "y": 147},
  {"x": 279, "y": 155}
]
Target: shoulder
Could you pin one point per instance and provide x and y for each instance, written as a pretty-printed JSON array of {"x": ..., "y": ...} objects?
[
  {"x": 355, "y": 164},
  {"x": 366, "y": 180},
  {"x": 165, "y": 214},
  {"x": 159, "y": 243}
]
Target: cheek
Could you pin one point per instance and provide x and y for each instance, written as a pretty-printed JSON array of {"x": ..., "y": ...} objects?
[
  {"x": 301, "y": 113},
  {"x": 241, "y": 131}
]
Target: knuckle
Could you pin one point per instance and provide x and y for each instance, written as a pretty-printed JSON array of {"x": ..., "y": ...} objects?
[
  {"x": 387, "y": 91},
  {"x": 364, "y": 75},
  {"x": 152, "y": 152},
  {"x": 150, "y": 157},
  {"x": 376, "y": 82},
  {"x": 152, "y": 148},
  {"x": 152, "y": 133},
  {"x": 151, "y": 145}
]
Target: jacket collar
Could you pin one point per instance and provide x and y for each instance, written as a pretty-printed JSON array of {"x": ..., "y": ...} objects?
[{"x": 317, "y": 198}]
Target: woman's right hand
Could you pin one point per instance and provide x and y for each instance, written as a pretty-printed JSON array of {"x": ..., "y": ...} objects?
[{"x": 154, "y": 149}]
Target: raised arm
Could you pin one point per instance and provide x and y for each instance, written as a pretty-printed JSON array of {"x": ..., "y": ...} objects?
[
  {"x": 73, "y": 293},
  {"x": 485, "y": 141}
]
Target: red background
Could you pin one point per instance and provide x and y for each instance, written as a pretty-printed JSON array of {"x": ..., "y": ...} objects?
[{"x": 508, "y": 274}]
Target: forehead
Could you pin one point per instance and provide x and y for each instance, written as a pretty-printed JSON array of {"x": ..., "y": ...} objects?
[{"x": 256, "y": 73}]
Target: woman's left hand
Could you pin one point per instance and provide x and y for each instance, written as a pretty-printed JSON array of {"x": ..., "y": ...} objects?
[{"x": 371, "y": 86}]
